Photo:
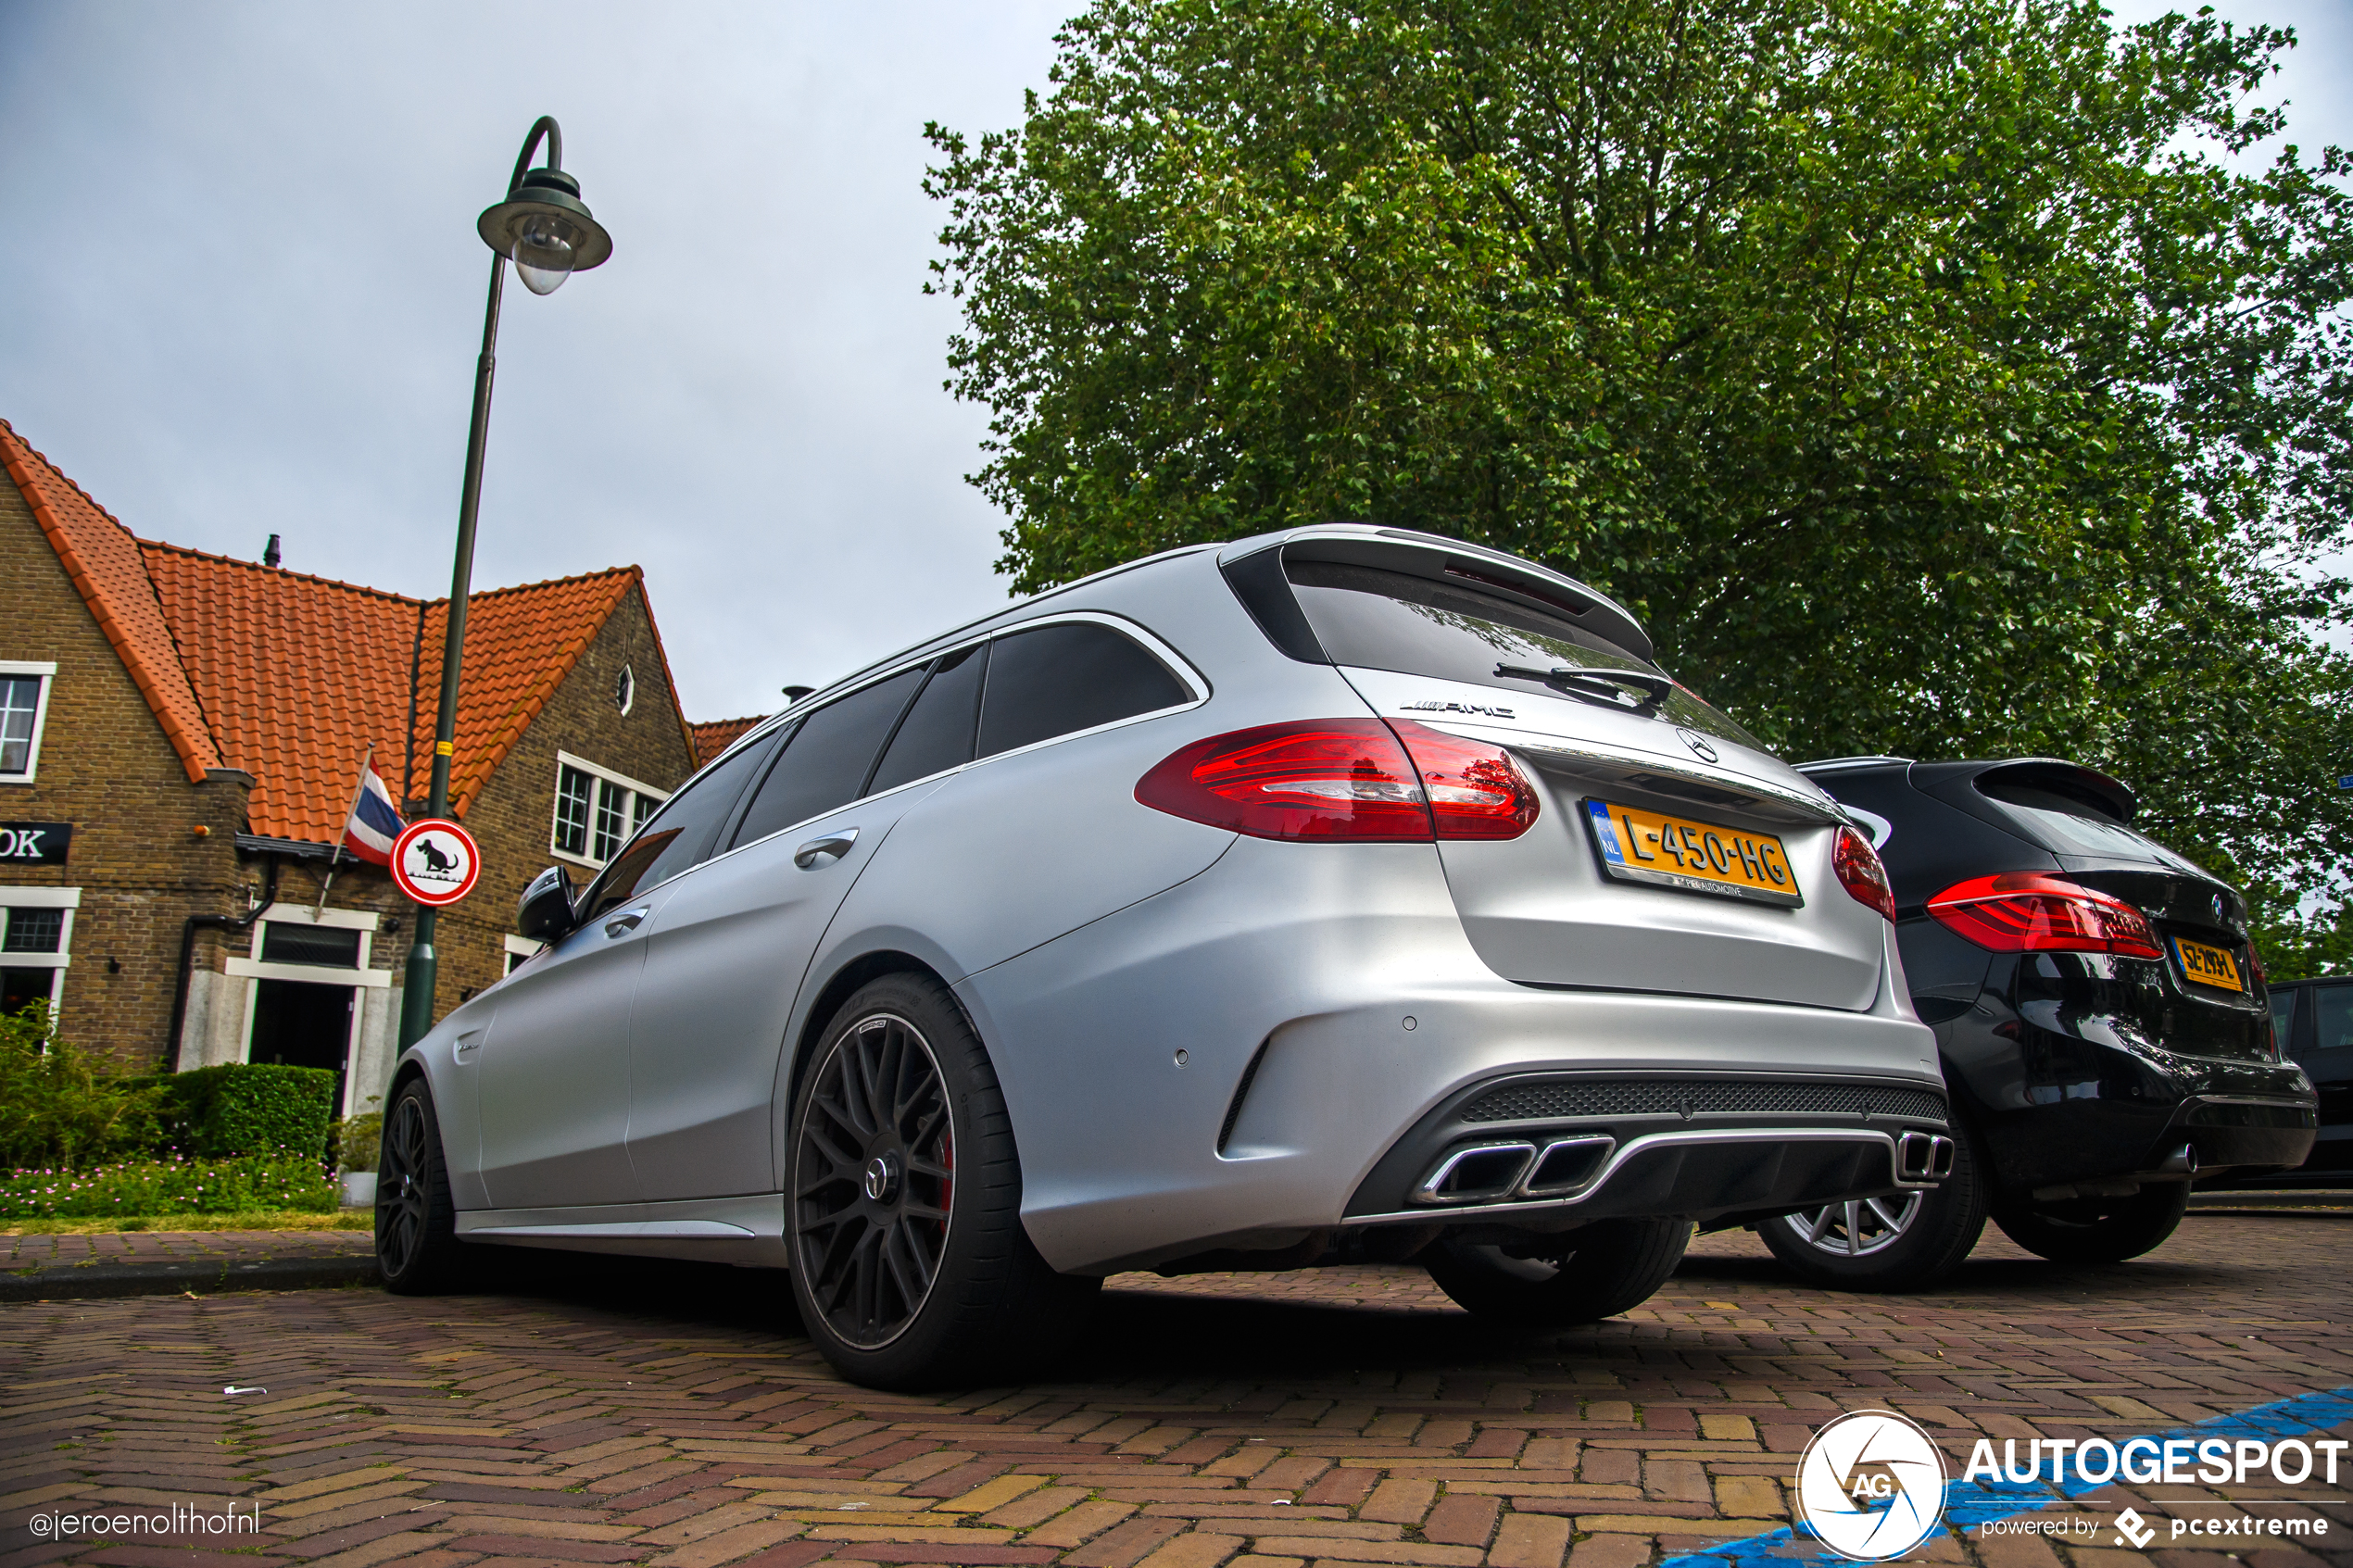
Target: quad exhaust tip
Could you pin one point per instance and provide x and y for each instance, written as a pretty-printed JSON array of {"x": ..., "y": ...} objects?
[
  {"x": 1922, "y": 1159},
  {"x": 1484, "y": 1173}
]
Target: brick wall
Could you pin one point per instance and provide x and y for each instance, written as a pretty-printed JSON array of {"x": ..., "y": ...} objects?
[{"x": 106, "y": 767}]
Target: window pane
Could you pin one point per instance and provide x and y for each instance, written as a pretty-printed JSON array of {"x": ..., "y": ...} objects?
[
  {"x": 827, "y": 763},
  {"x": 1057, "y": 679},
  {"x": 284, "y": 942},
  {"x": 612, "y": 819},
  {"x": 2283, "y": 1015},
  {"x": 22, "y": 988},
  {"x": 1377, "y": 619},
  {"x": 35, "y": 931},
  {"x": 2335, "y": 1015},
  {"x": 571, "y": 811},
  {"x": 19, "y": 700},
  {"x": 680, "y": 834},
  {"x": 646, "y": 805},
  {"x": 938, "y": 732}
]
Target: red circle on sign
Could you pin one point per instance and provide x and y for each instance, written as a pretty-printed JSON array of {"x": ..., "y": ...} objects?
[{"x": 435, "y": 862}]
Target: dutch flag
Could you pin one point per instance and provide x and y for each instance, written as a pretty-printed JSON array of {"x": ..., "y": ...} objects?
[{"x": 374, "y": 824}]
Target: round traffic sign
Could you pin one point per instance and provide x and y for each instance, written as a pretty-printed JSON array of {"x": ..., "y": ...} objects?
[{"x": 435, "y": 862}]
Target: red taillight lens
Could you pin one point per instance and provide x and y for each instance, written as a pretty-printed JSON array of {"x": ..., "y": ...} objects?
[
  {"x": 2036, "y": 912},
  {"x": 1329, "y": 778},
  {"x": 1475, "y": 790},
  {"x": 1344, "y": 779},
  {"x": 1859, "y": 871}
]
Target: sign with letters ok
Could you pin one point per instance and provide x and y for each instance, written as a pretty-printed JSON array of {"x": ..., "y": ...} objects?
[{"x": 35, "y": 844}]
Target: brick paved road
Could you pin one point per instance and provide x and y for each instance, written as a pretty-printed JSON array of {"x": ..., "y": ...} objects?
[{"x": 671, "y": 1415}]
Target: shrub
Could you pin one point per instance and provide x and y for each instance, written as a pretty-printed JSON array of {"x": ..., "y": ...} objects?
[
  {"x": 170, "y": 1187},
  {"x": 240, "y": 1108},
  {"x": 60, "y": 1106},
  {"x": 355, "y": 1145}
]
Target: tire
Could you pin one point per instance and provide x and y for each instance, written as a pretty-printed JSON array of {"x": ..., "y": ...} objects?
[
  {"x": 909, "y": 1263},
  {"x": 417, "y": 1251},
  {"x": 2097, "y": 1230},
  {"x": 1558, "y": 1281},
  {"x": 1909, "y": 1242}
]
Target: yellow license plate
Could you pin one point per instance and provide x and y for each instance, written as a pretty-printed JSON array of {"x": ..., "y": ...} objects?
[
  {"x": 2208, "y": 966},
  {"x": 1649, "y": 846}
]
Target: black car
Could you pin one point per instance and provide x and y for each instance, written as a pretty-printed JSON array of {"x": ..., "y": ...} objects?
[
  {"x": 2105, "y": 1028},
  {"x": 2314, "y": 1021}
]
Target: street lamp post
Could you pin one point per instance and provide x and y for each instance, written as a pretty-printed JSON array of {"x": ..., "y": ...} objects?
[{"x": 547, "y": 233}]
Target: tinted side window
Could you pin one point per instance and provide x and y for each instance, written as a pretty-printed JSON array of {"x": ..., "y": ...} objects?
[
  {"x": 938, "y": 732},
  {"x": 680, "y": 834},
  {"x": 1057, "y": 679},
  {"x": 825, "y": 764}
]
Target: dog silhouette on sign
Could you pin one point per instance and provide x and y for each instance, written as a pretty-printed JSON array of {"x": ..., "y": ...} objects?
[{"x": 435, "y": 859}]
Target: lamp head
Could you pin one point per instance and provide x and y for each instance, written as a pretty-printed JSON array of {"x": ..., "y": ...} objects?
[{"x": 545, "y": 229}]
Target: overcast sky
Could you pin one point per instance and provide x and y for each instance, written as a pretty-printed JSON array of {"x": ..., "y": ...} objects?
[{"x": 242, "y": 295}]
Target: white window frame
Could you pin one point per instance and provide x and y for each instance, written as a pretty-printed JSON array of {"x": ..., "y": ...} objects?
[
  {"x": 363, "y": 921},
  {"x": 518, "y": 949},
  {"x": 66, "y": 899},
  {"x": 47, "y": 672},
  {"x": 595, "y": 770}
]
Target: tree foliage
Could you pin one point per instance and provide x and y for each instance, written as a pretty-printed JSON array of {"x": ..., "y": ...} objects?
[{"x": 1931, "y": 376}]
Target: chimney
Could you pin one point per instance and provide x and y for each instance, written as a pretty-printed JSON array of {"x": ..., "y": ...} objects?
[{"x": 270, "y": 552}]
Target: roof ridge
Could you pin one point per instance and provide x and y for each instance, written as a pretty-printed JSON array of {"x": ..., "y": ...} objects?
[
  {"x": 609, "y": 572},
  {"x": 258, "y": 567}
]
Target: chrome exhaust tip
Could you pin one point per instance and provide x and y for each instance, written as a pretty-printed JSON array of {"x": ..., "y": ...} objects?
[
  {"x": 1923, "y": 1159},
  {"x": 1566, "y": 1165},
  {"x": 1478, "y": 1174}
]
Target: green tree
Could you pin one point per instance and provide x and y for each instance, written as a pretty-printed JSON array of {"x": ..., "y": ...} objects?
[{"x": 1929, "y": 375}]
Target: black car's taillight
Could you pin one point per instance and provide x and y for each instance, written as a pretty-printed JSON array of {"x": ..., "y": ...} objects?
[
  {"x": 2036, "y": 912},
  {"x": 1344, "y": 779}
]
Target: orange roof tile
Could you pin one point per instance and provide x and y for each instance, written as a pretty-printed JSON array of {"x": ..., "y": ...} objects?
[
  {"x": 715, "y": 735},
  {"x": 290, "y": 676},
  {"x": 520, "y": 642},
  {"x": 299, "y": 673},
  {"x": 102, "y": 558}
]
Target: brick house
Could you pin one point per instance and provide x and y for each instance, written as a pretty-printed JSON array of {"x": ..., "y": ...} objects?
[{"x": 180, "y": 736}]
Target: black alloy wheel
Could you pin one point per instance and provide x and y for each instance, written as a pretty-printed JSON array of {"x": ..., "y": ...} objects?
[
  {"x": 875, "y": 1185},
  {"x": 417, "y": 1246},
  {"x": 909, "y": 1263}
]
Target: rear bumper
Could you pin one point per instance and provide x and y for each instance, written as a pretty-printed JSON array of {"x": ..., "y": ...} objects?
[{"x": 1330, "y": 1012}]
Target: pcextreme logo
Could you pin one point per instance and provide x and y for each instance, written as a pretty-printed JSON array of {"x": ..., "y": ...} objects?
[{"x": 1870, "y": 1485}]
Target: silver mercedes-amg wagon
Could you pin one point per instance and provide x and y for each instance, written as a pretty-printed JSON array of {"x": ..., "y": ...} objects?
[{"x": 1336, "y": 895}]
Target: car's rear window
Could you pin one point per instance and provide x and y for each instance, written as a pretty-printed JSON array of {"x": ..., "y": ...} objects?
[
  {"x": 2066, "y": 825},
  {"x": 1376, "y": 620}
]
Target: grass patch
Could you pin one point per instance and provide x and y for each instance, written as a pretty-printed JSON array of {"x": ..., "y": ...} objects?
[{"x": 250, "y": 1220}]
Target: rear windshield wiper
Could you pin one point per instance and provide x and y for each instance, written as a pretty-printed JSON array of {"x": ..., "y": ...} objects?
[{"x": 1579, "y": 678}]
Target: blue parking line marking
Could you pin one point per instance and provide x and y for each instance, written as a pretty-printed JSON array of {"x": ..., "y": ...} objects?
[{"x": 1974, "y": 1502}]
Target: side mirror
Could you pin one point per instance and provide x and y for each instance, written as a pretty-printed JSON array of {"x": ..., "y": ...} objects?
[{"x": 546, "y": 911}]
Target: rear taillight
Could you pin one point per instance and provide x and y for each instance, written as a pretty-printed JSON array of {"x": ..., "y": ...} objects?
[
  {"x": 1476, "y": 791},
  {"x": 1348, "y": 779},
  {"x": 2036, "y": 912},
  {"x": 1859, "y": 871}
]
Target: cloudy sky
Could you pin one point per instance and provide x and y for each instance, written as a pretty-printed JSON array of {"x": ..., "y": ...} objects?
[{"x": 244, "y": 294}]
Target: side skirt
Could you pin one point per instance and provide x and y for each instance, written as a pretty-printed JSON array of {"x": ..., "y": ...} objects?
[{"x": 745, "y": 1231}]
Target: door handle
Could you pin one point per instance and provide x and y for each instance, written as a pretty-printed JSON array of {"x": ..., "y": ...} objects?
[
  {"x": 626, "y": 921},
  {"x": 835, "y": 844}
]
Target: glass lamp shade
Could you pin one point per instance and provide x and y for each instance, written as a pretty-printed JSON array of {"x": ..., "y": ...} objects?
[{"x": 546, "y": 247}]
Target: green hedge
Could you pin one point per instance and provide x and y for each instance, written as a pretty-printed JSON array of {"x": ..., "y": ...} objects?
[
  {"x": 171, "y": 1187},
  {"x": 247, "y": 1109}
]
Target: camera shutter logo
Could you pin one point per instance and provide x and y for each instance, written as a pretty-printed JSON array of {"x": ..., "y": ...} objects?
[{"x": 1871, "y": 1486}]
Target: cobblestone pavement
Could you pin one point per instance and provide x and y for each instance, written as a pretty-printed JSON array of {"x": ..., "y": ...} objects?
[{"x": 667, "y": 1414}]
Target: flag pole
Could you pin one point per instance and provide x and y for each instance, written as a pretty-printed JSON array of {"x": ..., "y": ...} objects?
[{"x": 359, "y": 788}]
